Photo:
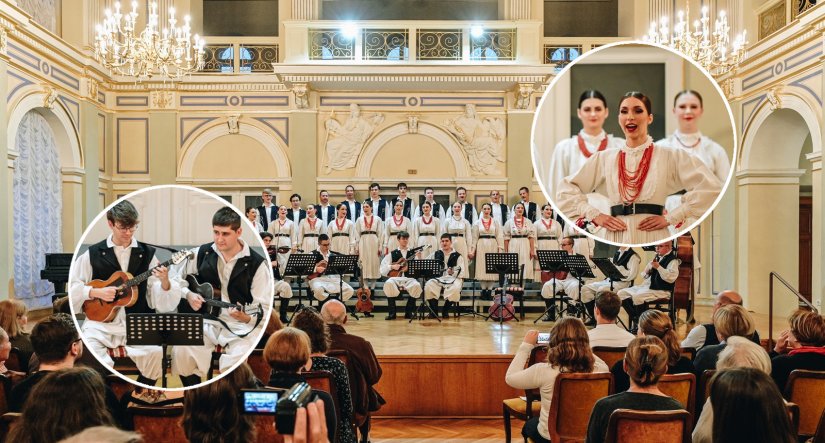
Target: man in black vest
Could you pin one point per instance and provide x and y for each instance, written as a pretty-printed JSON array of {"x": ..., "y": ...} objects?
[
  {"x": 122, "y": 252},
  {"x": 394, "y": 285},
  {"x": 323, "y": 285},
  {"x": 449, "y": 284},
  {"x": 324, "y": 210},
  {"x": 437, "y": 210},
  {"x": 296, "y": 213},
  {"x": 467, "y": 210},
  {"x": 627, "y": 261},
  {"x": 353, "y": 206},
  {"x": 705, "y": 335},
  {"x": 500, "y": 210},
  {"x": 267, "y": 211},
  {"x": 283, "y": 291},
  {"x": 530, "y": 208},
  {"x": 660, "y": 275},
  {"x": 409, "y": 206},
  {"x": 242, "y": 276},
  {"x": 380, "y": 206}
]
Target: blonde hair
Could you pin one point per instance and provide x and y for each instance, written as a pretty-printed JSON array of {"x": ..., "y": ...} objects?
[
  {"x": 808, "y": 327},
  {"x": 569, "y": 346},
  {"x": 646, "y": 360},
  {"x": 657, "y": 324},
  {"x": 731, "y": 320},
  {"x": 8, "y": 318},
  {"x": 287, "y": 350},
  {"x": 743, "y": 353}
]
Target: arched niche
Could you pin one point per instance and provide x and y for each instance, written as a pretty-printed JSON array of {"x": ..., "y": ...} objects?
[{"x": 66, "y": 135}]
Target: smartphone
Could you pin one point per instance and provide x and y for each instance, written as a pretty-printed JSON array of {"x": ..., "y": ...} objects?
[
  {"x": 259, "y": 401},
  {"x": 544, "y": 338}
]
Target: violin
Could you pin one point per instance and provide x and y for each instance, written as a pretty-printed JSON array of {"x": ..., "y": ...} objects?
[{"x": 364, "y": 303}]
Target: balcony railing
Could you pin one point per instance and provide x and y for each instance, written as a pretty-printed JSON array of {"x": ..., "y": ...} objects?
[
  {"x": 413, "y": 42},
  {"x": 560, "y": 51},
  {"x": 230, "y": 55}
]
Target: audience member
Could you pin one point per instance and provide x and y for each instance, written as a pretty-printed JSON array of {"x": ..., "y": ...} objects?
[
  {"x": 104, "y": 434},
  {"x": 5, "y": 350},
  {"x": 310, "y": 425},
  {"x": 739, "y": 353},
  {"x": 705, "y": 335},
  {"x": 287, "y": 352},
  {"x": 607, "y": 332},
  {"x": 800, "y": 347},
  {"x": 212, "y": 413},
  {"x": 653, "y": 323},
  {"x": 645, "y": 361},
  {"x": 748, "y": 407},
  {"x": 70, "y": 400},
  {"x": 567, "y": 351},
  {"x": 274, "y": 325},
  {"x": 365, "y": 370},
  {"x": 729, "y": 321},
  {"x": 309, "y": 321},
  {"x": 13, "y": 315}
]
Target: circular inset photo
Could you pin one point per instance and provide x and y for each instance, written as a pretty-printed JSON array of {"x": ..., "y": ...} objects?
[
  {"x": 165, "y": 280},
  {"x": 633, "y": 144}
]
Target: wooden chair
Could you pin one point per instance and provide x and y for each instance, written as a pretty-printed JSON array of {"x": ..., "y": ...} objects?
[
  {"x": 574, "y": 396},
  {"x": 260, "y": 367},
  {"x": 689, "y": 353},
  {"x": 819, "y": 435},
  {"x": 7, "y": 422},
  {"x": 630, "y": 426},
  {"x": 664, "y": 305},
  {"x": 609, "y": 354},
  {"x": 158, "y": 423},
  {"x": 118, "y": 385},
  {"x": 702, "y": 391},
  {"x": 266, "y": 432},
  {"x": 682, "y": 387},
  {"x": 323, "y": 381},
  {"x": 807, "y": 389},
  {"x": 214, "y": 362},
  {"x": 122, "y": 362},
  {"x": 340, "y": 354},
  {"x": 520, "y": 408},
  {"x": 793, "y": 412}
]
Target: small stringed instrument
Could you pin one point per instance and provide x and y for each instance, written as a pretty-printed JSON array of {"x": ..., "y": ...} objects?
[
  {"x": 321, "y": 266},
  {"x": 127, "y": 290},
  {"x": 364, "y": 304},
  {"x": 403, "y": 261},
  {"x": 212, "y": 303},
  {"x": 502, "y": 306},
  {"x": 683, "y": 286}
]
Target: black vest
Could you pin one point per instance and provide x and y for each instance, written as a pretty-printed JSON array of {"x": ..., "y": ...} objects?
[
  {"x": 468, "y": 212},
  {"x": 712, "y": 339},
  {"x": 407, "y": 207},
  {"x": 396, "y": 255},
  {"x": 349, "y": 214},
  {"x": 451, "y": 261},
  {"x": 623, "y": 259},
  {"x": 436, "y": 210},
  {"x": 381, "y": 211},
  {"x": 262, "y": 216},
  {"x": 240, "y": 282},
  {"x": 656, "y": 282},
  {"x": 531, "y": 211},
  {"x": 104, "y": 264},
  {"x": 504, "y": 211}
]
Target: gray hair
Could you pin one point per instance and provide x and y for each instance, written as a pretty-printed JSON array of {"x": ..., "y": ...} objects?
[
  {"x": 104, "y": 434},
  {"x": 743, "y": 353},
  {"x": 334, "y": 318}
]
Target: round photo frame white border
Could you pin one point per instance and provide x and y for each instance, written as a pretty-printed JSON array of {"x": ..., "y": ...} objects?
[
  {"x": 565, "y": 71},
  {"x": 102, "y": 214}
]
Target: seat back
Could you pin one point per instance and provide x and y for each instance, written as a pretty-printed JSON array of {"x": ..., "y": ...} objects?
[
  {"x": 807, "y": 389},
  {"x": 5, "y": 391},
  {"x": 340, "y": 354},
  {"x": 323, "y": 381},
  {"x": 819, "y": 435},
  {"x": 702, "y": 391},
  {"x": 689, "y": 353},
  {"x": 158, "y": 423},
  {"x": 630, "y": 426},
  {"x": 15, "y": 361},
  {"x": 573, "y": 398},
  {"x": 118, "y": 385},
  {"x": 682, "y": 387},
  {"x": 259, "y": 366},
  {"x": 7, "y": 422},
  {"x": 537, "y": 355},
  {"x": 265, "y": 430},
  {"x": 609, "y": 354}
]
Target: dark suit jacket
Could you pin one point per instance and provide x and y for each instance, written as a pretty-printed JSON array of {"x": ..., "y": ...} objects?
[
  {"x": 262, "y": 213},
  {"x": 365, "y": 371},
  {"x": 330, "y": 212},
  {"x": 357, "y": 210},
  {"x": 706, "y": 358},
  {"x": 291, "y": 215}
]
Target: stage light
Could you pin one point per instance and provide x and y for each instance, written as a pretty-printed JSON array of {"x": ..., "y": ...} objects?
[
  {"x": 349, "y": 31},
  {"x": 476, "y": 31}
]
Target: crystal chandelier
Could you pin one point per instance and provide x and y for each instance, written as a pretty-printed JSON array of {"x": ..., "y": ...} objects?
[
  {"x": 712, "y": 50},
  {"x": 171, "y": 52}
]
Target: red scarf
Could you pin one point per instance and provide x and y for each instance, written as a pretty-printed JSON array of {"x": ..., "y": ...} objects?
[{"x": 808, "y": 350}]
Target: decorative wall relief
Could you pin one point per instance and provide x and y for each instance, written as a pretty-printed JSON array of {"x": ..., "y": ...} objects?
[
  {"x": 43, "y": 12},
  {"x": 162, "y": 99},
  {"x": 232, "y": 122},
  {"x": 50, "y": 97},
  {"x": 481, "y": 138},
  {"x": 344, "y": 141},
  {"x": 301, "y": 93}
]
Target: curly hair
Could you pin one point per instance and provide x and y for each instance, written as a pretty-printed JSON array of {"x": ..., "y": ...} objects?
[
  {"x": 569, "y": 346},
  {"x": 212, "y": 413},
  {"x": 311, "y": 322},
  {"x": 646, "y": 360}
]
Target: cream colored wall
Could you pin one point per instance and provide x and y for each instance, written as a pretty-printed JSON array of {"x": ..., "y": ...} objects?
[
  {"x": 233, "y": 156},
  {"x": 413, "y": 152}
]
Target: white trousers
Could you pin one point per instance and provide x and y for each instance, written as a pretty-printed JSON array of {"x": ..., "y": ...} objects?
[
  {"x": 321, "y": 286},
  {"x": 452, "y": 291},
  {"x": 591, "y": 290},
  {"x": 642, "y": 294},
  {"x": 282, "y": 289},
  {"x": 146, "y": 358},
  {"x": 393, "y": 285},
  {"x": 570, "y": 287},
  {"x": 196, "y": 360}
]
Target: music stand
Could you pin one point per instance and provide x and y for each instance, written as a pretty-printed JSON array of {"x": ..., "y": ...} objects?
[
  {"x": 164, "y": 330},
  {"x": 340, "y": 265},
  {"x": 579, "y": 268},
  {"x": 612, "y": 273},
  {"x": 299, "y": 265},
  {"x": 552, "y": 261},
  {"x": 502, "y": 264},
  {"x": 424, "y": 269}
]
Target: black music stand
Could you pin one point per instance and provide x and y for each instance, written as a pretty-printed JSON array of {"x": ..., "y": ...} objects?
[
  {"x": 424, "y": 269},
  {"x": 299, "y": 265},
  {"x": 340, "y": 265},
  {"x": 579, "y": 268},
  {"x": 612, "y": 273},
  {"x": 164, "y": 330},
  {"x": 502, "y": 264},
  {"x": 552, "y": 261}
]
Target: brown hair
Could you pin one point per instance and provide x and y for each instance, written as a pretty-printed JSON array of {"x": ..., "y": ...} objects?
[
  {"x": 609, "y": 305},
  {"x": 646, "y": 360},
  {"x": 212, "y": 413},
  {"x": 731, "y": 320},
  {"x": 287, "y": 350},
  {"x": 311, "y": 322},
  {"x": 8, "y": 318},
  {"x": 808, "y": 328},
  {"x": 657, "y": 324},
  {"x": 569, "y": 346}
]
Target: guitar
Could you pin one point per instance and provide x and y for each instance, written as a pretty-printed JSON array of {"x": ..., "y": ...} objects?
[
  {"x": 127, "y": 290},
  {"x": 450, "y": 279},
  {"x": 364, "y": 304},
  {"x": 322, "y": 265},
  {"x": 502, "y": 306},
  {"x": 403, "y": 261},
  {"x": 212, "y": 303}
]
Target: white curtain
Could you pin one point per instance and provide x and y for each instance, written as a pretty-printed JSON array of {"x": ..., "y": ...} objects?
[{"x": 37, "y": 208}]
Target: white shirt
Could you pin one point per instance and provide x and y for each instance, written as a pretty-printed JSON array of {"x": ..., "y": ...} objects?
[
  {"x": 609, "y": 335},
  {"x": 496, "y": 214},
  {"x": 433, "y": 205},
  {"x": 711, "y": 153},
  {"x": 323, "y": 214},
  {"x": 352, "y": 216},
  {"x": 268, "y": 212}
]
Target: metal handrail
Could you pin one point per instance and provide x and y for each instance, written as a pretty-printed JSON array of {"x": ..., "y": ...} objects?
[{"x": 770, "y": 301}]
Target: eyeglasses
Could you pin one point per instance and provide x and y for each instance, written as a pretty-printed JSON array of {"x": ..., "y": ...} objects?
[
  {"x": 125, "y": 229},
  {"x": 323, "y": 244}
]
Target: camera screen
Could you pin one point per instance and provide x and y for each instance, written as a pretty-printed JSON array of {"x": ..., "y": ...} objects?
[
  {"x": 544, "y": 337},
  {"x": 259, "y": 402}
]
